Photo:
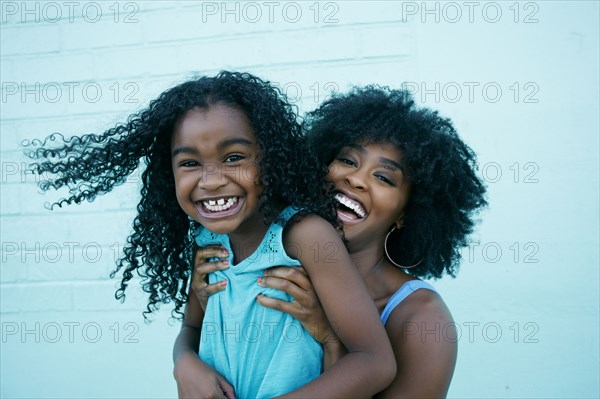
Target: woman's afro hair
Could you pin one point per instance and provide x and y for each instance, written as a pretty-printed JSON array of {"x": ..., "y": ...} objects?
[{"x": 446, "y": 191}]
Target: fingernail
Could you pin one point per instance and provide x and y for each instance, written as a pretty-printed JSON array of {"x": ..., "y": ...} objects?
[
  {"x": 225, "y": 262},
  {"x": 266, "y": 272},
  {"x": 260, "y": 282},
  {"x": 223, "y": 283},
  {"x": 224, "y": 253}
]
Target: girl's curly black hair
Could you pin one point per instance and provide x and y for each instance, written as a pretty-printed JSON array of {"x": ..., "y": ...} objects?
[
  {"x": 446, "y": 192},
  {"x": 160, "y": 248}
]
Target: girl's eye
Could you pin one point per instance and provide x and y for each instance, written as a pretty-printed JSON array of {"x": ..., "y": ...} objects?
[
  {"x": 189, "y": 164},
  {"x": 233, "y": 158}
]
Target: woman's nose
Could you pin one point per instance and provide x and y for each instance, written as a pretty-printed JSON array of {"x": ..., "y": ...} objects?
[{"x": 356, "y": 179}]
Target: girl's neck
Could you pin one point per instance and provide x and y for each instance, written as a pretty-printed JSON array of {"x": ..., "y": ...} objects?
[{"x": 245, "y": 243}]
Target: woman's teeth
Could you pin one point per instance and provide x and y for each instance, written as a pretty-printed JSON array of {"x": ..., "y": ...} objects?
[
  {"x": 351, "y": 204},
  {"x": 220, "y": 205}
]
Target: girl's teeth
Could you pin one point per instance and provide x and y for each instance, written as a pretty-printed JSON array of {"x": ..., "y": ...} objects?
[{"x": 220, "y": 204}]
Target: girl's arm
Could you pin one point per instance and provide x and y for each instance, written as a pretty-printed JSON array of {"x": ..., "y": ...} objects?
[
  {"x": 369, "y": 365},
  {"x": 425, "y": 344},
  {"x": 306, "y": 308},
  {"x": 195, "y": 379}
]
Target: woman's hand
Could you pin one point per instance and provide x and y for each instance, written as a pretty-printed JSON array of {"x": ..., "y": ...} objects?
[
  {"x": 306, "y": 307},
  {"x": 202, "y": 267},
  {"x": 196, "y": 379}
]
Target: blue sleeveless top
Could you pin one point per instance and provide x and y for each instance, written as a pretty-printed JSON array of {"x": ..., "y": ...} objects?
[
  {"x": 405, "y": 290},
  {"x": 262, "y": 352}
]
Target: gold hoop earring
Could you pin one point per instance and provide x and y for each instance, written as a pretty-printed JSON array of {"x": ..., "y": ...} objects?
[{"x": 388, "y": 255}]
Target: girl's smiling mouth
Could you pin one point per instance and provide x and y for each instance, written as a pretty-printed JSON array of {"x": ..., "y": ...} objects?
[{"x": 215, "y": 208}]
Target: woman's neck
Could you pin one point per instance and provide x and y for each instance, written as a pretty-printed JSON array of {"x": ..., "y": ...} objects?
[
  {"x": 380, "y": 276},
  {"x": 367, "y": 261}
]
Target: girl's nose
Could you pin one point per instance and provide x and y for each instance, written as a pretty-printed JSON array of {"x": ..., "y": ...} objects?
[{"x": 212, "y": 178}]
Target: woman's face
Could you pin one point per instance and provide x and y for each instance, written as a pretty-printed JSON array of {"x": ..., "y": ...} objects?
[{"x": 371, "y": 189}]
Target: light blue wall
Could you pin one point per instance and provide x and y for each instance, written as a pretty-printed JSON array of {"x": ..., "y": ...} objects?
[{"x": 526, "y": 299}]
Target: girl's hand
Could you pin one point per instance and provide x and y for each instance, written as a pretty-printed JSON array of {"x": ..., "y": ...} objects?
[
  {"x": 201, "y": 269},
  {"x": 196, "y": 379},
  {"x": 306, "y": 307}
]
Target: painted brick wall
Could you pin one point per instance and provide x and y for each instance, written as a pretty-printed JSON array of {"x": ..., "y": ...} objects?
[{"x": 519, "y": 80}]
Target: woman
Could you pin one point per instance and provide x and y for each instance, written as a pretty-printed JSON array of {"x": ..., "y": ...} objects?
[{"x": 408, "y": 192}]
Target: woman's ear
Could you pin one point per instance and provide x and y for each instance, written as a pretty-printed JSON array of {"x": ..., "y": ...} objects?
[{"x": 400, "y": 221}]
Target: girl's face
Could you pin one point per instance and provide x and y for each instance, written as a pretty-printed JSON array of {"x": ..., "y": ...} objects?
[
  {"x": 214, "y": 156},
  {"x": 371, "y": 189}
]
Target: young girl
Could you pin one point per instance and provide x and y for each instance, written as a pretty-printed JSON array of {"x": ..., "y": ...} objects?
[
  {"x": 408, "y": 192},
  {"x": 225, "y": 152}
]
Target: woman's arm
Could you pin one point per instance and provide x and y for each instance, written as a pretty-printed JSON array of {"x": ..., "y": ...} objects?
[
  {"x": 424, "y": 339},
  {"x": 421, "y": 330},
  {"x": 369, "y": 365}
]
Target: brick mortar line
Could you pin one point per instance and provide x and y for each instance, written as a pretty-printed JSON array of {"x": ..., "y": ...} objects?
[
  {"x": 211, "y": 39},
  {"x": 265, "y": 67}
]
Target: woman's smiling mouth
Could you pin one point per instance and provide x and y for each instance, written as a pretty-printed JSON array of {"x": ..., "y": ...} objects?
[{"x": 349, "y": 210}]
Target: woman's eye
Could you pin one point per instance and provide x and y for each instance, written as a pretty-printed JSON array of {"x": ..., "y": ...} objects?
[
  {"x": 346, "y": 161},
  {"x": 233, "y": 158},
  {"x": 385, "y": 179}
]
